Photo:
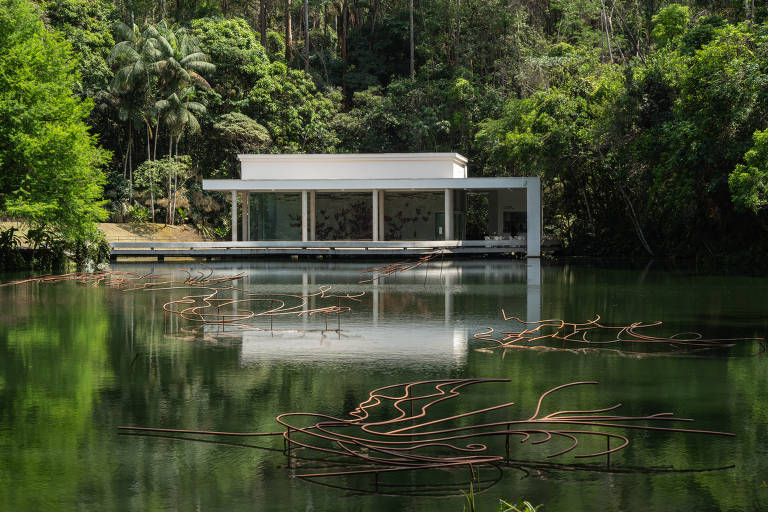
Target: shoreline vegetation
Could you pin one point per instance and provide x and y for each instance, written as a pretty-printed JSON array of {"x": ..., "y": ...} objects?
[{"x": 647, "y": 121}]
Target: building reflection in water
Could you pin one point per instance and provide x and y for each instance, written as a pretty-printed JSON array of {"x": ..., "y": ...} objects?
[
  {"x": 424, "y": 316},
  {"x": 409, "y": 318}
]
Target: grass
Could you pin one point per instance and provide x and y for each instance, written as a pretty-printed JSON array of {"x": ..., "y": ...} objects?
[{"x": 504, "y": 506}]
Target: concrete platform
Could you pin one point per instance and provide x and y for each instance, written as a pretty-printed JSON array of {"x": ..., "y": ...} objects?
[{"x": 515, "y": 246}]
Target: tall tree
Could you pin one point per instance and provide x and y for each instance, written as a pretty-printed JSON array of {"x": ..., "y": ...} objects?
[
  {"x": 306, "y": 36},
  {"x": 133, "y": 58},
  {"x": 410, "y": 16},
  {"x": 263, "y": 9},
  {"x": 179, "y": 67},
  {"x": 288, "y": 32},
  {"x": 49, "y": 163},
  {"x": 180, "y": 114},
  {"x": 181, "y": 61}
]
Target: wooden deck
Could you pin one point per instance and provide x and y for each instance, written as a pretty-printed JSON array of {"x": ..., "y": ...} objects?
[{"x": 325, "y": 248}]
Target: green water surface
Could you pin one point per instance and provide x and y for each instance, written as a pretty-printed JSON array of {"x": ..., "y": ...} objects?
[{"x": 78, "y": 361}]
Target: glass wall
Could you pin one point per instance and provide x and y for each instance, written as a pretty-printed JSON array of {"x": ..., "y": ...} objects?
[
  {"x": 343, "y": 216},
  {"x": 412, "y": 215},
  {"x": 275, "y": 216},
  {"x": 421, "y": 215}
]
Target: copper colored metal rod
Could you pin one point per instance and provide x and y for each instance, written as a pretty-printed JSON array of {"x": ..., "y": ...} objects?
[
  {"x": 551, "y": 330},
  {"x": 403, "y": 442},
  {"x": 202, "y": 432}
]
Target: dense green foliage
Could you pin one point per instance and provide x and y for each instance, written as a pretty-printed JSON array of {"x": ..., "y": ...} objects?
[
  {"x": 49, "y": 162},
  {"x": 749, "y": 182},
  {"x": 644, "y": 119}
]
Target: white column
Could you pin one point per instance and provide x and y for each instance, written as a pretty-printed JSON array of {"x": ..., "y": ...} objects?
[
  {"x": 234, "y": 216},
  {"x": 312, "y": 216},
  {"x": 375, "y": 215},
  {"x": 247, "y": 212},
  {"x": 381, "y": 215},
  {"x": 448, "y": 214},
  {"x": 533, "y": 212},
  {"x": 533, "y": 290},
  {"x": 305, "y": 292},
  {"x": 303, "y": 215},
  {"x": 375, "y": 302},
  {"x": 448, "y": 294},
  {"x": 244, "y": 216},
  {"x": 460, "y": 336}
]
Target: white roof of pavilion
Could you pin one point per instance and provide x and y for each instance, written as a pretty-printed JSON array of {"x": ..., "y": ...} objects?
[
  {"x": 367, "y": 184},
  {"x": 359, "y": 172}
]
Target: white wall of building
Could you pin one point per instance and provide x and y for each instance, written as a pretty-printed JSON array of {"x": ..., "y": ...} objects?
[{"x": 353, "y": 166}]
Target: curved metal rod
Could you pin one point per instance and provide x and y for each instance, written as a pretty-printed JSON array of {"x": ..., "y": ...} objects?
[
  {"x": 536, "y": 334},
  {"x": 402, "y": 439}
]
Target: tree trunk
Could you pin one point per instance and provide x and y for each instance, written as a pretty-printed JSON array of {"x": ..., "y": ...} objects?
[
  {"x": 635, "y": 222},
  {"x": 458, "y": 31},
  {"x": 130, "y": 161},
  {"x": 288, "y": 32},
  {"x": 172, "y": 200},
  {"x": 634, "y": 38},
  {"x": 168, "y": 209},
  {"x": 325, "y": 68},
  {"x": 344, "y": 21},
  {"x": 168, "y": 206},
  {"x": 306, "y": 36},
  {"x": 152, "y": 196},
  {"x": 149, "y": 141},
  {"x": 175, "y": 183},
  {"x": 374, "y": 10},
  {"x": 157, "y": 136},
  {"x": 125, "y": 163},
  {"x": 325, "y": 28},
  {"x": 410, "y": 9},
  {"x": 263, "y": 22},
  {"x": 589, "y": 211},
  {"x": 605, "y": 22}
]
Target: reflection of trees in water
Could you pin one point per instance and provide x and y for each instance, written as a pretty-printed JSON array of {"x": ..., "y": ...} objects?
[
  {"x": 203, "y": 381},
  {"x": 633, "y": 338},
  {"x": 411, "y": 427},
  {"x": 399, "y": 303},
  {"x": 216, "y": 301},
  {"x": 54, "y": 363}
]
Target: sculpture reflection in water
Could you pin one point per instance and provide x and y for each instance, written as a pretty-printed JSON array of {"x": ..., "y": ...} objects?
[
  {"x": 414, "y": 427},
  {"x": 219, "y": 304},
  {"x": 398, "y": 267},
  {"x": 594, "y": 335}
]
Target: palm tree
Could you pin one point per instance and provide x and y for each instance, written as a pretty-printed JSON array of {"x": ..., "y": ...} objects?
[
  {"x": 179, "y": 65},
  {"x": 179, "y": 113},
  {"x": 180, "y": 61},
  {"x": 133, "y": 57}
]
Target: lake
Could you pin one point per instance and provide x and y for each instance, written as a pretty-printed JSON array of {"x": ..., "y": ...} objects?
[{"x": 77, "y": 361}]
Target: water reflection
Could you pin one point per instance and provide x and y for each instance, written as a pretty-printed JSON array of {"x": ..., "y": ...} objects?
[
  {"x": 404, "y": 438},
  {"x": 392, "y": 319},
  {"x": 375, "y": 330},
  {"x": 75, "y": 362}
]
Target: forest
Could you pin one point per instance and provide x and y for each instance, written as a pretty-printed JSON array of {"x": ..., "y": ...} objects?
[{"x": 646, "y": 120}]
